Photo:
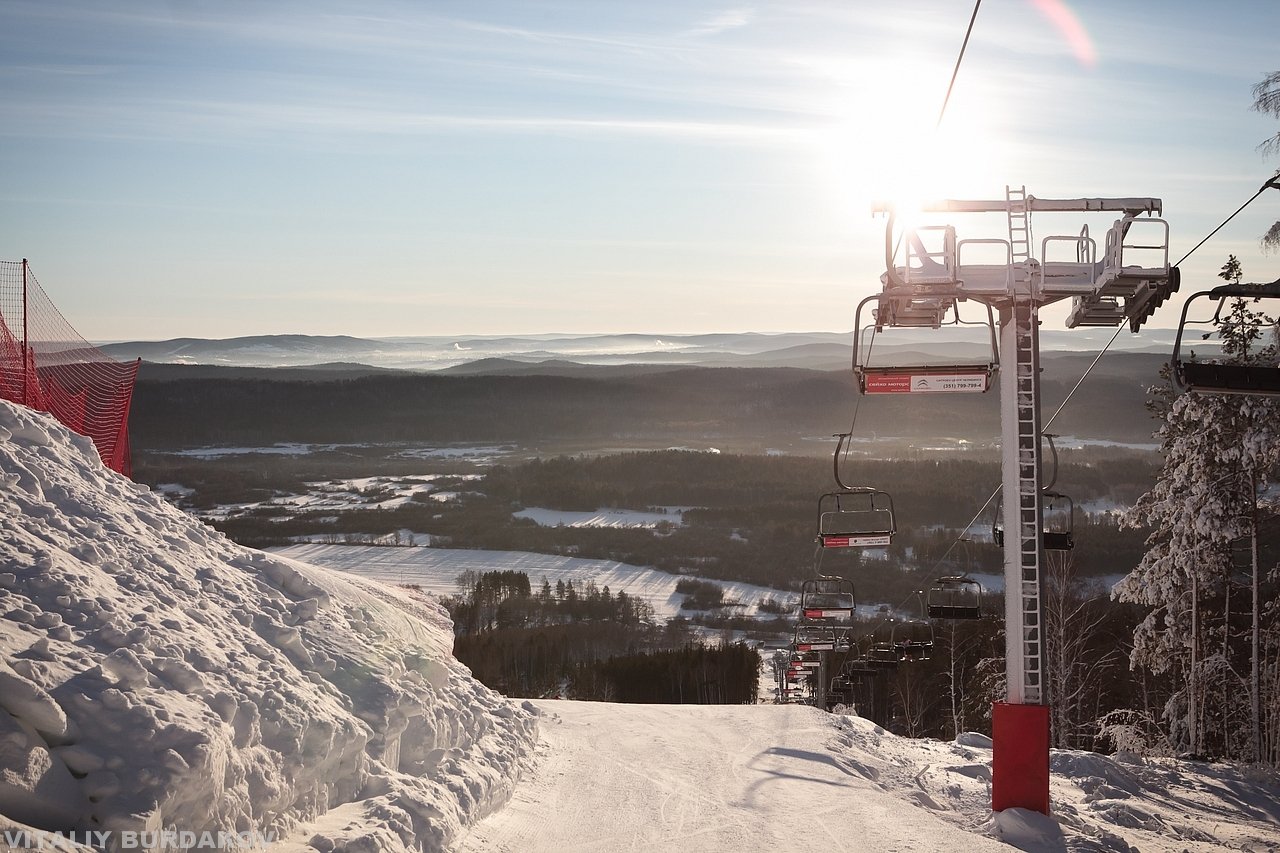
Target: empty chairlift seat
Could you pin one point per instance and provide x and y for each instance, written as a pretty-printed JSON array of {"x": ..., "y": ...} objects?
[
  {"x": 1057, "y": 515},
  {"x": 819, "y": 637},
  {"x": 1257, "y": 372},
  {"x": 827, "y": 599},
  {"x": 921, "y": 374},
  {"x": 860, "y": 518},
  {"x": 955, "y": 597}
]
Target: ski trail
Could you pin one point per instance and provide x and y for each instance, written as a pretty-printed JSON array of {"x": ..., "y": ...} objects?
[{"x": 695, "y": 778}]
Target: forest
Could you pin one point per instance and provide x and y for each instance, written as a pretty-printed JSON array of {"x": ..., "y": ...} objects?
[
  {"x": 737, "y": 408},
  {"x": 589, "y": 644},
  {"x": 1182, "y": 656},
  {"x": 748, "y": 518}
]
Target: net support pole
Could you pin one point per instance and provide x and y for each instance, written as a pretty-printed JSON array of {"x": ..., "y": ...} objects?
[
  {"x": 1020, "y": 726},
  {"x": 26, "y": 352}
]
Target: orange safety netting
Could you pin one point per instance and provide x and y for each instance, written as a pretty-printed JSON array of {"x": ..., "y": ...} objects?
[{"x": 46, "y": 365}]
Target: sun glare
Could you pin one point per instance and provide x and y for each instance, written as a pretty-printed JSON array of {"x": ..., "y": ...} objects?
[{"x": 884, "y": 148}]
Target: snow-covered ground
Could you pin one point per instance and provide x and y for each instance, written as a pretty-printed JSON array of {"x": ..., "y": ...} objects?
[
  {"x": 158, "y": 678},
  {"x": 789, "y": 777},
  {"x": 382, "y": 492},
  {"x": 601, "y": 517},
  {"x": 479, "y": 454},
  {"x": 436, "y": 570}
]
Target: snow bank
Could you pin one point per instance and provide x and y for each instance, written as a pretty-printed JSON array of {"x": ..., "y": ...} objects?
[{"x": 158, "y": 677}]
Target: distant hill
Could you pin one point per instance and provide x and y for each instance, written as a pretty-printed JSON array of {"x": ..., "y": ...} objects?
[
  {"x": 553, "y": 367},
  {"x": 176, "y": 407},
  {"x": 151, "y": 371},
  {"x": 256, "y": 350},
  {"x": 808, "y": 350}
]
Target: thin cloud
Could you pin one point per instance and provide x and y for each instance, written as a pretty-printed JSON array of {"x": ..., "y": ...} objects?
[{"x": 730, "y": 19}]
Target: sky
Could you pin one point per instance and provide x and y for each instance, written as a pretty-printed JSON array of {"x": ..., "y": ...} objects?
[{"x": 384, "y": 168}]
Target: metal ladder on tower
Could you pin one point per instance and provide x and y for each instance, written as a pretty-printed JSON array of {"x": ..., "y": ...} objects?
[
  {"x": 1019, "y": 224},
  {"x": 1030, "y": 551}
]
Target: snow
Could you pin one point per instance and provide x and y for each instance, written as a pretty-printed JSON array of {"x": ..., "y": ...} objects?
[
  {"x": 157, "y": 678},
  {"x": 479, "y": 454},
  {"x": 790, "y": 777},
  {"x": 601, "y": 517},
  {"x": 436, "y": 570}
]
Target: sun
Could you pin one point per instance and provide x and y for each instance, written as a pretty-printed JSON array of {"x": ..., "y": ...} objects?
[{"x": 884, "y": 145}]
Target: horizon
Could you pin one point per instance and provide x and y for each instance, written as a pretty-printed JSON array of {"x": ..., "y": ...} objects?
[{"x": 402, "y": 170}]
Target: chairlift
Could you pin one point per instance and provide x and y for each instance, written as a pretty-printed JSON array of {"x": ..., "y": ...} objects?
[
  {"x": 1213, "y": 377},
  {"x": 910, "y": 309},
  {"x": 851, "y": 685},
  {"x": 858, "y": 667},
  {"x": 955, "y": 597},
  {"x": 912, "y": 639},
  {"x": 819, "y": 637},
  {"x": 1057, "y": 520},
  {"x": 884, "y": 650},
  {"x": 855, "y": 518},
  {"x": 882, "y": 655},
  {"x": 1057, "y": 515},
  {"x": 827, "y": 598}
]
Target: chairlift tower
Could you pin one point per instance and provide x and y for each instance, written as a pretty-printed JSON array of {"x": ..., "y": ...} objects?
[{"x": 934, "y": 273}]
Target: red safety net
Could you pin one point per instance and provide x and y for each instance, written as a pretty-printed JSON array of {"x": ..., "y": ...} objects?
[{"x": 46, "y": 365}]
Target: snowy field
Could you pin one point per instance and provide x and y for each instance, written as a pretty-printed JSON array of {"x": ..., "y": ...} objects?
[
  {"x": 160, "y": 683},
  {"x": 602, "y": 517},
  {"x": 479, "y": 454},
  {"x": 436, "y": 570}
]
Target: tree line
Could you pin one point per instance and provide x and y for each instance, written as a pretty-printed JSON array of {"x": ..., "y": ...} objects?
[
  {"x": 589, "y": 644},
  {"x": 209, "y": 408}
]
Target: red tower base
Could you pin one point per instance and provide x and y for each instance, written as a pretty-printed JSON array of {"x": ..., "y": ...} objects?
[{"x": 1020, "y": 757}]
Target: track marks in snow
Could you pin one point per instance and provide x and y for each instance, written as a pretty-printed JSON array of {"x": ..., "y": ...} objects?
[{"x": 702, "y": 778}]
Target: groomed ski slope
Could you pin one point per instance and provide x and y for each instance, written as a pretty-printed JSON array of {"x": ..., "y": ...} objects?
[
  {"x": 710, "y": 778},
  {"x": 729, "y": 779}
]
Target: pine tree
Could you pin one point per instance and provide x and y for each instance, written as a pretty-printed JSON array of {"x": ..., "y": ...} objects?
[
  {"x": 1266, "y": 99},
  {"x": 1219, "y": 451}
]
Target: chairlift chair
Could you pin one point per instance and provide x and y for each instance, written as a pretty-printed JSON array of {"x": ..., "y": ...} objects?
[
  {"x": 826, "y": 598},
  {"x": 913, "y": 639},
  {"x": 955, "y": 597},
  {"x": 855, "y": 668},
  {"x": 1211, "y": 377},
  {"x": 850, "y": 685},
  {"x": 819, "y": 637},
  {"x": 883, "y": 651},
  {"x": 1057, "y": 519},
  {"x": 910, "y": 309},
  {"x": 805, "y": 660},
  {"x": 1057, "y": 514},
  {"x": 856, "y": 518},
  {"x": 882, "y": 655}
]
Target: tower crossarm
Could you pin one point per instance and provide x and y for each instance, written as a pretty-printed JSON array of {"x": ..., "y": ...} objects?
[
  {"x": 1128, "y": 206},
  {"x": 1123, "y": 277}
]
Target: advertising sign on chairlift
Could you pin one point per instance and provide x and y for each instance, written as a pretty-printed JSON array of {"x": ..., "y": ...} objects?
[
  {"x": 875, "y": 541},
  {"x": 926, "y": 383},
  {"x": 827, "y": 613}
]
